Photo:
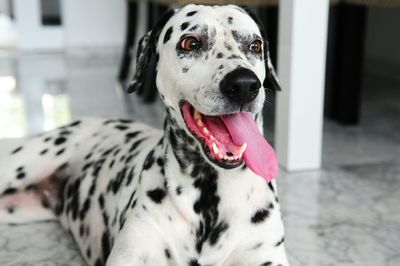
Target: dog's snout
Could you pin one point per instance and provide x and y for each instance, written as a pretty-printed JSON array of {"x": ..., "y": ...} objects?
[{"x": 240, "y": 86}]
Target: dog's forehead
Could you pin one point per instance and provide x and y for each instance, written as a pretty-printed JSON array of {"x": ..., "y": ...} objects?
[{"x": 224, "y": 18}]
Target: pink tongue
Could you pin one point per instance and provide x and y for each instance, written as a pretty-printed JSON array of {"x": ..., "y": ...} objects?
[{"x": 259, "y": 155}]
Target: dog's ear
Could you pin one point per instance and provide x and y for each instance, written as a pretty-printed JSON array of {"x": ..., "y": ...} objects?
[
  {"x": 147, "y": 57},
  {"x": 271, "y": 79}
]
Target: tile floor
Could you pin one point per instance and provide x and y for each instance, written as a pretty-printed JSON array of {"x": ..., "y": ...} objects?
[{"x": 345, "y": 214}]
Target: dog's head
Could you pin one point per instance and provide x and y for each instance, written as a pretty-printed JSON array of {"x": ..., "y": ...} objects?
[{"x": 211, "y": 66}]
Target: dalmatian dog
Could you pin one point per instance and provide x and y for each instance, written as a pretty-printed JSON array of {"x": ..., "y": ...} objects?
[{"x": 199, "y": 192}]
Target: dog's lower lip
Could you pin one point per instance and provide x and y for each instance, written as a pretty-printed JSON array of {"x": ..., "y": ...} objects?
[{"x": 225, "y": 153}]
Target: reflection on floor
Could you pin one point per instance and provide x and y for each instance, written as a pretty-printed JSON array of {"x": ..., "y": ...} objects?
[{"x": 346, "y": 214}]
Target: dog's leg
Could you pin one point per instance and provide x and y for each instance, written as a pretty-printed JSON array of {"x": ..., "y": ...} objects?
[
  {"x": 140, "y": 244},
  {"x": 31, "y": 162},
  {"x": 24, "y": 207},
  {"x": 40, "y": 157},
  {"x": 31, "y": 174}
]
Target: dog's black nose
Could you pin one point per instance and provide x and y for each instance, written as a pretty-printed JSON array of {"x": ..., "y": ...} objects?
[{"x": 240, "y": 86}]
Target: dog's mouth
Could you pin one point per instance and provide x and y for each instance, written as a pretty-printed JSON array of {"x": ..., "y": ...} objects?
[
  {"x": 214, "y": 136},
  {"x": 229, "y": 139}
]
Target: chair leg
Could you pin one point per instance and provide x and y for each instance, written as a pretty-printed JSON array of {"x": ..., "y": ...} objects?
[
  {"x": 345, "y": 63},
  {"x": 132, "y": 14}
]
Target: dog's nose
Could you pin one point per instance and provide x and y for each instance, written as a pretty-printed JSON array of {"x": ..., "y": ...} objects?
[{"x": 240, "y": 86}]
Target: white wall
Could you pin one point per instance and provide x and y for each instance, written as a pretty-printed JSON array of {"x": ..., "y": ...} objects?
[
  {"x": 94, "y": 23},
  {"x": 31, "y": 34},
  {"x": 382, "y": 51}
]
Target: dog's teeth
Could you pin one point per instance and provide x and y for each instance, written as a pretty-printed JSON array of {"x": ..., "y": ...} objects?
[
  {"x": 220, "y": 156},
  {"x": 212, "y": 138},
  {"x": 197, "y": 115},
  {"x": 205, "y": 130},
  {"x": 230, "y": 158},
  {"x": 243, "y": 148},
  {"x": 240, "y": 156},
  {"x": 225, "y": 157},
  {"x": 236, "y": 157},
  {"x": 200, "y": 123},
  {"x": 215, "y": 148}
]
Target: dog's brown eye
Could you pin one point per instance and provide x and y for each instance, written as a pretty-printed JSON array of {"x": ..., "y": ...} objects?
[
  {"x": 256, "y": 46},
  {"x": 190, "y": 43}
]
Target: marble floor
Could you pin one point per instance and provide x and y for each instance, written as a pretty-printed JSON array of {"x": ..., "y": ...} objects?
[{"x": 345, "y": 214}]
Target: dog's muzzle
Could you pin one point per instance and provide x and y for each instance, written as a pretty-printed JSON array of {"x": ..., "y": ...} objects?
[{"x": 240, "y": 86}]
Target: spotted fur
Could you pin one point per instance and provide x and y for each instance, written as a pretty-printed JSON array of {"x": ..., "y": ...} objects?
[{"x": 133, "y": 195}]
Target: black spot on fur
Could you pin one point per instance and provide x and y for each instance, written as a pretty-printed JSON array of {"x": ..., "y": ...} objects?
[
  {"x": 59, "y": 141},
  {"x": 228, "y": 46},
  {"x": 99, "y": 262},
  {"x": 185, "y": 70},
  {"x": 262, "y": 214},
  {"x": 86, "y": 166},
  {"x": 88, "y": 253},
  {"x": 122, "y": 128},
  {"x": 268, "y": 263},
  {"x": 207, "y": 204},
  {"x": 221, "y": 67},
  {"x": 115, "y": 184},
  {"x": 105, "y": 245},
  {"x": 43, "y": 152},
  {"x": 193, "y": 28},
  {"x": 194, "y": 262},
  {"x": 168, "y": 34},
  {"x": 257, "y": 246},
  {"x": 85, "y": 208},
  {"x": 10, "y": 191},
  {"x": 60, "y": 152},
  {"x": 178, "y": 190},
  {"x": 156, "y": 195},
  {"x": 62, "y": 167},
  {"x": 81, "y": 230},
  {"x": 65, "y": 132},
  {"x": 21, "y": 175},
  {"x": 101, "y": 201},
  {"x": 191, "y": 13},
  {"x": 230, "y": 20},
  {"x": 160, "y": 162},
  {"x": 149, "y": 160},
  {"x": 88, "y": 156},
  {"x": 167, "y": 253},
  {"x": 11, "y": 209},
  {"x": 74, "y": 124},
  {"x": 16, "y": 150},
  {"x": 131, "y": 135},
  {"x": 47, "y": 139},
  {"x": 220, "y": 55},
  {"x": 184, "y": 26},
  {"x": 217, "y": 231},
  {"x": 234, "y": 56},
  {"x": 271, "y": 187},
  {"x": 280, "y": 242},
  {"x": 135, "y": 145}
]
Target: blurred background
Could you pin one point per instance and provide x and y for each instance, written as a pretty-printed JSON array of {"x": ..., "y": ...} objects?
[{"x": 64, "y": 59}]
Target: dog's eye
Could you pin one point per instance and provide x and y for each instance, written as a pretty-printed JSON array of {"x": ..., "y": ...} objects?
[
  {"x": 190, "y": 43},
  {"x": 256, "y": 46}
]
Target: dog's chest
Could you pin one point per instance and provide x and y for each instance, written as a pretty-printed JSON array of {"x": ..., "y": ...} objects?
[{"x": 207, "y": 221}]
